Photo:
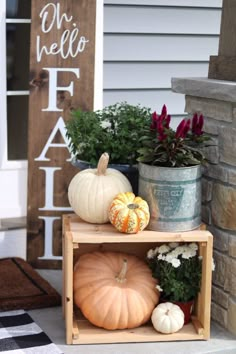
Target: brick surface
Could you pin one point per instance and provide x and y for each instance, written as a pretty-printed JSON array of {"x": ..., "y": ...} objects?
[
  {"x": 220, "y": 297},
  {"x": 222, "y": 271},
  {"x": 220, "y": 239},
  {"x": 227, "y": 139},
  {"x": 232, "y": 246},
  {"x": 219, "y": 110},
  {"x": 231, "y": 318},
  {"x": 206, "y": 190},
  {"x": 219, "y": 314},
  {"x": 224, "y": 206},
  {"x": 216, "y": 172}
]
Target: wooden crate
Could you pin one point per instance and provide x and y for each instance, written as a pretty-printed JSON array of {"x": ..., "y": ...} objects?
[{"x": 80, "y": 237}]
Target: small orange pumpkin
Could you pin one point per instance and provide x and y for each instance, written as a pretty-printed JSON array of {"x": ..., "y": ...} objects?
[
  {"x": 114, "y": 290},
  {"x": 128, "y": 213}
]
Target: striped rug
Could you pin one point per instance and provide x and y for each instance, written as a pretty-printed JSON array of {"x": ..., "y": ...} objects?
[{"x": 19, "y": 334}]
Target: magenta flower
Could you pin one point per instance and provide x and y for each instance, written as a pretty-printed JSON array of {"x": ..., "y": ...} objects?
[
  {"x": 197, "y": 124},
  {"x": 160, "y": 128},
  {"x": 186, "y": 128},
  {"x": 183, "y": 129},
  {"x": 167, "y": 121},
  {"x": 163, "y": 123},
  {"x": 154, "y": 120},
  {"x": 194, "y": 122},
  {"x": 180, "y": 129},
  {"x": 200, "y": 125},
  {"x": 164, "y": 110},
  {"x": 167, "y": 147}
]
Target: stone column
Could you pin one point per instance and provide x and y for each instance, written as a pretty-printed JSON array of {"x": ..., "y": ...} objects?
[{"x": 216, "y": 100}]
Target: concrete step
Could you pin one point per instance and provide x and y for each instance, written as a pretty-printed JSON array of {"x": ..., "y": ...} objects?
[{"x": 221, "y": 341}]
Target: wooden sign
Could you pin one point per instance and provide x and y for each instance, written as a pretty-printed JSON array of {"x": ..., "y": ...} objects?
[
  {"x": 223, "y": 66},
  {"x": 62, "y": 78}
]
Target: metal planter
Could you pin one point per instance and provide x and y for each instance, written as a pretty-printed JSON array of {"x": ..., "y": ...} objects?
[{"x": 173, "y": 195}]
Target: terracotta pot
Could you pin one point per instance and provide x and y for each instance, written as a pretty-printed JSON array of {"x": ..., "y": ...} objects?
[{"x": 187, "y": 308}]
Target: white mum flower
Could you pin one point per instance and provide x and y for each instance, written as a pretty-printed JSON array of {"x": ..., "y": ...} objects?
[
  {"x": 164, "y": 249},
  {"x": 175, "y": 262},
  {"x": 159, "y": 288},
  {"x": 189, "y": 253},
  {"x": 193, "y": 246},
  {"x": 156, "y": 250},
  {"x": 160, "y": 257},
  {"x": 186, "y": 255},
  {"x": 170, "y": 257},
  {"x": 179, "y": 250},
  {"x": 173, "y": 245},
  {"x": 150, "y": 254}
]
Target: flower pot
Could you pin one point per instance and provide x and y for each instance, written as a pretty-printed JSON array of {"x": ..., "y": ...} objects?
[
  {"x": 131, "y": 172},
  {"x": 173, "y": 195},
  {"x": 187, "y": 308}
]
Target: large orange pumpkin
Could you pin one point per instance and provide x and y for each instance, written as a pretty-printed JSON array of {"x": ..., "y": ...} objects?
[
  {"x": 114, "y": 290},
  {"x": 128, "y": 213}
]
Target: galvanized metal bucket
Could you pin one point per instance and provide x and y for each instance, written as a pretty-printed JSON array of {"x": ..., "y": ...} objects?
[{"x": 173, "y": 195}]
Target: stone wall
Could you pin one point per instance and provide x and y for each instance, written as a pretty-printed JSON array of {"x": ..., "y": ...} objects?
[{"x": 218, "y": 187}]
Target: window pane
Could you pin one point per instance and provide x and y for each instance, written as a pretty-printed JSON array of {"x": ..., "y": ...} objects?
[
  {"x": 17, "y": 122},
  {"x": 18, "y": 47},
  {"x": 19, "y": 9}
]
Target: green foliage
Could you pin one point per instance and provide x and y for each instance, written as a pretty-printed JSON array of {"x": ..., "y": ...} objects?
[
  {"x": 179, "y": 278},
  {"x": 171, "y": 152},
  {"x": 115, "y": 129},
  {"x": 162, "y": 146}
]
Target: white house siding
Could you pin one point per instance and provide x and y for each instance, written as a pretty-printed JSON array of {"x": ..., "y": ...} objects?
[{"x": 148, "y": 42}]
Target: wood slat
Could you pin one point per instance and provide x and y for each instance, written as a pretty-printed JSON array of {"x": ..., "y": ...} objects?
[
  {"x": 223, "y": 66},
  {"x": 149, "y": 74},
  {"x": 161, "y": 20},
  {"x": 191, "y": 3},
  {"x": 82, "y": 232},
  {"x": 159, "y": 48},
  {"x": 89, "y": 334}
]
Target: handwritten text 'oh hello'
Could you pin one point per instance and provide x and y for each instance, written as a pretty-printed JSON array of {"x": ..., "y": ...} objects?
[{"x": 69, "y": 44}]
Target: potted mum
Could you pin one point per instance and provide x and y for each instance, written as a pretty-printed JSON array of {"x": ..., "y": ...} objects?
[
  {"x": 170, "y": 171},
  {"x": 116, "y": 130},
  {"x": 178, "y": 269}
]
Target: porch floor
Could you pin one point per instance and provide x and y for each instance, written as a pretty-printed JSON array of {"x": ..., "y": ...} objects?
[{"x": 52, "y": 322}]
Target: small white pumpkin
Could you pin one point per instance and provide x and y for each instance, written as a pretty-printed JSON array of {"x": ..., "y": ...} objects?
[
  {"x": 167, "y": 318},
  {"x": 91, "y": 191}
]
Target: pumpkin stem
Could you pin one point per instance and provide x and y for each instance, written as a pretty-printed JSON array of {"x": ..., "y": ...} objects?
[
  {"x": 102, "y": 164},
  {"x": 121, "y": 276},
  {"x": 132, "y": 206}
]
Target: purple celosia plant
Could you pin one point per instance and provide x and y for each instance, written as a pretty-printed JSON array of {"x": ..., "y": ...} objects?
[{"x": 163, "y": 146}]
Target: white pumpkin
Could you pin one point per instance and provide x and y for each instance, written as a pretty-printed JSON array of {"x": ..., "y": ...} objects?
[
  {"x": 167, "y": 318},
  {"x": 91, "y": 191}
]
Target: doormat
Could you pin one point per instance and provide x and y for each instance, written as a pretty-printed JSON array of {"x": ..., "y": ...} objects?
[
  {"x": 19, "y": 334},
  {"x": 21, "y": 287}
]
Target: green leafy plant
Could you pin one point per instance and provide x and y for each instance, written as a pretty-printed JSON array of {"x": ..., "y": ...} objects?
[
  {"x": 178, "y": 269},
  {"x": 115, "y": 129},
  {"x": 163, "y": 146}
]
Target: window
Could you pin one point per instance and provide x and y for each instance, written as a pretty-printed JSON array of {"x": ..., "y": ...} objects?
[{"x": 18, "y": 14}]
